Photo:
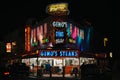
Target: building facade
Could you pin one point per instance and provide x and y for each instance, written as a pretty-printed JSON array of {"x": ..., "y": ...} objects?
[{"x": 57, "y": 40}]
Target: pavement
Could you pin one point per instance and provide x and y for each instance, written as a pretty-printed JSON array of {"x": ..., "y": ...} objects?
[
  {"x": 54, "y": 77},
  {"x": 106, "y": 76}
]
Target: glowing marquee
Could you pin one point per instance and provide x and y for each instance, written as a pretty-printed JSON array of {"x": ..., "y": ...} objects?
[
  {"x": 57, "y": 53},
  {"x": 58, "y": 8}
]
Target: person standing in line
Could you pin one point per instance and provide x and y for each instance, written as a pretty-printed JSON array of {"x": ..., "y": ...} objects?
[{"x": 48, "y": 67}]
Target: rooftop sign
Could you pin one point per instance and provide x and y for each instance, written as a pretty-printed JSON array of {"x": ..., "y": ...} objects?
[{"x": 58, "y": 9}]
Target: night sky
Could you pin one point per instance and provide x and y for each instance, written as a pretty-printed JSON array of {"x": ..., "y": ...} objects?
[{"x": 13, "y": 15}]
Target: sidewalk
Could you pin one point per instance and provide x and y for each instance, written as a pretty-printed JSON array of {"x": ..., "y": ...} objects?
[{"x": 55, "y": 77}]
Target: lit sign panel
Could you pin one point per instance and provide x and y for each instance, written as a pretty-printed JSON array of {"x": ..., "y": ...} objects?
[
  {"x": 60, "y": 34},
  {"x": 8, "y": 47},
  {"x": 59, "y": 37},
  {"x": 27, "y": 38},
  {"x": 57, "y": 53},
  {"x": 59, "y": 24},
  {"x": 59, "y": 8}
]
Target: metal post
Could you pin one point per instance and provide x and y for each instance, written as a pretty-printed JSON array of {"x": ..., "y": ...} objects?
[
  {"x": 63, "y": 71},
  {"x": 50, "y": 71},
  {"x": 79, "y": 68},
  {"x": 37, "y": 66}
]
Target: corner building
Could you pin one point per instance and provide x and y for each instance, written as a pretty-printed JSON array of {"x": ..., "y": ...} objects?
[{"x": 56, "y": 40}]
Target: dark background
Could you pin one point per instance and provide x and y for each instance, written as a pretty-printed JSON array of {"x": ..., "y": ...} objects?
[
  {"x": 14, "y": 14},
  {"x": 100, "y": 13}
]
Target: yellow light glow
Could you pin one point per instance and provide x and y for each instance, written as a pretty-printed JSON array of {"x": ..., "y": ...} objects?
[
  {"x": 58, "y": 6},
  {"x": 8, "y": 47},
  {"x": 111, "y": 54},
  {"x": 61, "y": 8},
  {"x": 105, "y": 40},
  {"x": 14, "y": 43}
]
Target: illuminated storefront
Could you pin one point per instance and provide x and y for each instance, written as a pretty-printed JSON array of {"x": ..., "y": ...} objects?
[{"x": 57, "y": 40}]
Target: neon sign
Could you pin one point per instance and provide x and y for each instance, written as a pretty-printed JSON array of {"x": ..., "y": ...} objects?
[
  {"x": 61, "y": 53},
  {"x": 59, "y": 37},
  {"x": 59, "y": 24},
  {"x": 58, "y": 8},
  {"x": 58, "y": 41},
  {"x": 59, "y": 34}
]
